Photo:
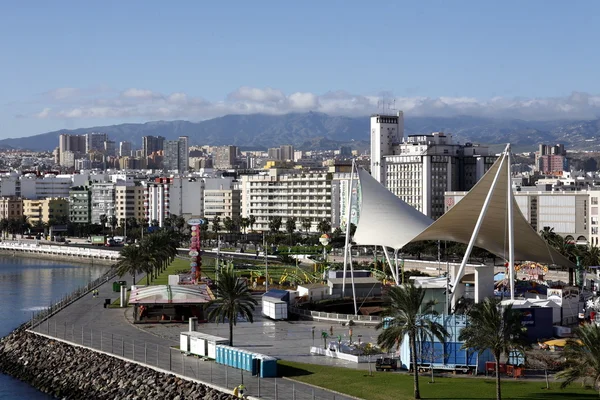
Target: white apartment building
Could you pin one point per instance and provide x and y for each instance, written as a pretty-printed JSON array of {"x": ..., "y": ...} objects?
[
  {"x": 222, "y": 198},
  {"x": 386, "y": 131},
  {"x": 174, "y": 195},
  {"x": 302, "y": 195},
  {"x": 129, "y": 202},
  {"x": 103, "y": 201},
  {"x": 424, "y": 167},
  {"x": 420, "y": 168}
]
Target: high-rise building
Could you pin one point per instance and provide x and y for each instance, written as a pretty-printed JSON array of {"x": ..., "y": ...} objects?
[
  {"x": 95, "y": 142},
  {"x": 176, "y": 155},
  {"x": 274, "y": 153},
  {"x": 224, "y": 157},
  {"x": 386, "y": 131},
  {"x": 109, "y": 148},
  {"x": 176, "y": 195},
  {"x": 286, "y": 152},
  {"x": 171, "y": 155},
  {"x": 151, "y": 144},
  {"x": 184, "y": 154},
  {"x": 125, "y": 149},
  {"x": 551, "y": 160},
  {"x": 75, "y": 144}
]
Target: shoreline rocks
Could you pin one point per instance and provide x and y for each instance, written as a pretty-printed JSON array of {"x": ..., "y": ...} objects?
[{"x": 72, "y": 372}]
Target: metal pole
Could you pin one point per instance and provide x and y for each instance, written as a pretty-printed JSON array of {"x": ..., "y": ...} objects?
[
  {"x": 211, "y": 372},
  {"x": 182, "y": 365},
  {"x": 91, "y": 338},
  {"x": 480, "y": 219},
  {"x": 293, "y": 391},
  {"x": 55, "y": 329},
  {"x": 511, "y": 229},
  {"x": 145, "y": 353},
  {"x": 226, "y": 377},
  {"x": 133, "y": 342},
  {"x": 100, "y": 340},
  {"x": 266, "y": 264},
  {"x": 82, "y": 335},
  {"x": 122, "y": 346},
  {"x": 347, "y": 241},
  {"x": 276, "y": 397},
  {"x": 112, "y": 343},
  {"x": 352, "y": 278},
  {"x": 258, "y": 377},
  {"x": 170, "y": 360}
]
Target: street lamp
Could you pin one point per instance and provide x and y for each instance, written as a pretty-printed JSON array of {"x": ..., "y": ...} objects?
[{"x": 325, "y": 239}]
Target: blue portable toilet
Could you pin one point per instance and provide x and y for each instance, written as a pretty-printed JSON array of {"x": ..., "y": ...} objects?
[
  {"x": 268, "y": 367},
  {"x": 244, "y": 360},
  {"x": 227, "y": 351},
  {"x": 237, "y": 358},
  {"x": 219, "y": 354}
]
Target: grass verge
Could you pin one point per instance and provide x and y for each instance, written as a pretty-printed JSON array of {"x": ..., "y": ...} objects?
[{"x": 388, "y": 385}]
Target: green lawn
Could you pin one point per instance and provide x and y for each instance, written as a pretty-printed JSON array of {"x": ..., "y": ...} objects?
[
  {"x": 208, "y": 269},
  {"x": 387, "y": 385}
]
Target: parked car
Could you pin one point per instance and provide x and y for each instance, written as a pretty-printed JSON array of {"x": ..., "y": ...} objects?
[{"x": 386, "y": 364}]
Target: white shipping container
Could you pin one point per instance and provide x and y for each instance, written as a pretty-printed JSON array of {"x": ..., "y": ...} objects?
[
  {"x": 184, "y": 342},
  {"x": 274, "y": 308},
  {"x": 196, "y": 345}
]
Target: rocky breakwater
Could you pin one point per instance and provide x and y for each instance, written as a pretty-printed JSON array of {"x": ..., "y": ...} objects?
[{"x": 71, "y": 372}]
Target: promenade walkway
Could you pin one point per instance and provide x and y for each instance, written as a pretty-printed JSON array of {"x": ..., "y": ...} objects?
[{"x": 87, "y": 322}]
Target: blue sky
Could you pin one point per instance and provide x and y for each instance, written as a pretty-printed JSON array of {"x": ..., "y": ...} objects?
[{"x": 69, "y": 64}]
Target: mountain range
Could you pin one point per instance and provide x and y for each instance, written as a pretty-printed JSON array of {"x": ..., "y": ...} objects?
[{"x": 311, "y": 131}]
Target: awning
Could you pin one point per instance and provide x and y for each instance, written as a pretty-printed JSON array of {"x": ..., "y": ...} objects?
[
  {"x": 171, "y": 294},
  {"x": 458, "y": 223},
  {"x": 385, "y": 219}
]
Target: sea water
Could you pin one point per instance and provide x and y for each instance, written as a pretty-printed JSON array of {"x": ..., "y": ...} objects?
[{"x": 29, "y": 285}]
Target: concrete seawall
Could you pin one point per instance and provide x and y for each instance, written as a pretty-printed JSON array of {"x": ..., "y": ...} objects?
[
  {"x": 72, "y": 372},
  {"x": 55, "y": 257},
  {"x": 60, "y": 253}
]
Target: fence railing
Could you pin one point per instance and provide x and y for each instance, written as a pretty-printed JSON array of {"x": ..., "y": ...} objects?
[
  {"x": 172, "y": 360},
  {"x": 334, "y": 316}
]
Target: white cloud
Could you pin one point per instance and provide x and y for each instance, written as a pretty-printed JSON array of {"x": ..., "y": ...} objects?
[
  {"x": 148, "y": 104},
  {"x": 45, "y": 113},
  {"x": 140, "y": 94}
]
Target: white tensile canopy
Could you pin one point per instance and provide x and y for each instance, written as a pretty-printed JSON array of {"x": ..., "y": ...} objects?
[
  {"x": 385, "y": 219},
  {"x": 458, "y": 223}
]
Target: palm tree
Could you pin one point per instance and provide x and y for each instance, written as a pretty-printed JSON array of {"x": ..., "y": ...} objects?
[
  {"x": 324, "y": 226},
  {"x": 113, "y": 221},
  {"x": 234, "y": 298},
  {"x": 134, "y": 260},
  {"x": 103, "y": 221},
  {"x": 251, "y": 221},
  {"x": 494, "y": 327},
  {"x": 228, "y": 224},
  {"x": 216, "y": 225},
  {"x": 583, "y": 357},
  {"x": 290, "y": 227},
  {"x": 244, "y": 224},
  {"x": 410, "y": 317},
  {"x": 275, "y": 223},
  {"x": 306, "y": 224}
]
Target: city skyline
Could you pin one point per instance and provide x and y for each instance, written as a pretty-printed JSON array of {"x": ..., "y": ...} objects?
[{"x": 74, "y": 65}]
